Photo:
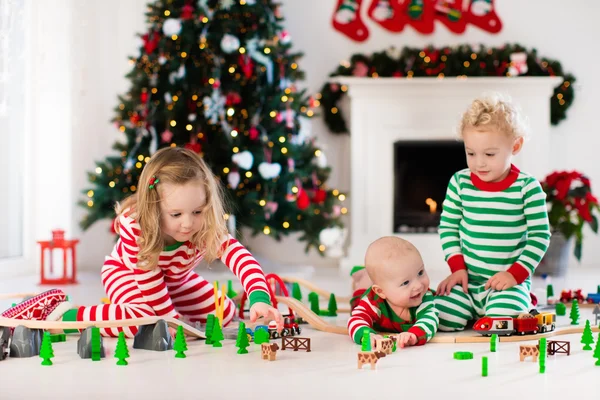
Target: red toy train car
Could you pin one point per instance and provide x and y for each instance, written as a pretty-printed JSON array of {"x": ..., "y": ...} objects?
[{"x": 531, "y": 323}]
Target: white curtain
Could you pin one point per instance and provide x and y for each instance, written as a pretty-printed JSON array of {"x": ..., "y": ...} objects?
[{"x": 12, "y": 120}]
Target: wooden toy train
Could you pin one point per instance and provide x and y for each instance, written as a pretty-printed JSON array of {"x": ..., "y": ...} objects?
[{"x": 528, "y": 323}]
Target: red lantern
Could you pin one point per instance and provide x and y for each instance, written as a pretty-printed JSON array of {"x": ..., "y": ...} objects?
[{"x": 58, "y": 242}]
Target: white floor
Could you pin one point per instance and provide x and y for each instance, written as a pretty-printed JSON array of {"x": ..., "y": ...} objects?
[{"x": 328, "y": 371}]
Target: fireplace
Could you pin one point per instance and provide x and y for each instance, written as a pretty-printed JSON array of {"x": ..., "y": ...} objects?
[
  {"x": 391, "y": 116},
  {"x": 422, "y": 170}
]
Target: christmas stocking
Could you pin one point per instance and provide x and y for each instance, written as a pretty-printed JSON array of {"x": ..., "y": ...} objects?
[
  {"x": 420, "y": 14},
  {"x": 483, "y": 16},
  {"x": 346, "y": 19},
  {"x": 389, "y": 16},
  {"x": 451, "y": 14}
]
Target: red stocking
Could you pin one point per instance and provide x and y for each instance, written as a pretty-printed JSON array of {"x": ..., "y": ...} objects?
[
  {"x": 451, "y": 14},
  {"x": 388, "y": 14},
  {"x": 483, "y": 16},
  {"x": 346, "y": 19},
  {"x": 420, "y": 14}
]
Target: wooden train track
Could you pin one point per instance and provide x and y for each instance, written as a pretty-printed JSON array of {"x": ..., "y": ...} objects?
[
  {"x": 441, "y": 337},
  {"x": 50, "y": 325},
  {"x": 314, "y": 288},
  {"x": 19, "y": 296}
]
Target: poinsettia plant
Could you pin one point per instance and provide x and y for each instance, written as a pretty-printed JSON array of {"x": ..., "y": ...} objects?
[{"x": 571, "y": 205}]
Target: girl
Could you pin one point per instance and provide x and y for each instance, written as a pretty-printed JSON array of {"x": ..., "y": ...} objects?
[{"x": 173, "y": 221}]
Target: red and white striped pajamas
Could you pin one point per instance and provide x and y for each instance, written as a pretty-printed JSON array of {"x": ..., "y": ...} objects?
[{"x": 173, "y": 288}]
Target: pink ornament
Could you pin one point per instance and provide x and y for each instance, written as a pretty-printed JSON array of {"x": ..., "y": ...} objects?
[
  {"x": 279, "y": 117},
  {"x": 234, "y": 179},
  {"x": 337, "y": 210},
  {"x": 253, "y": 133},
  {"x": 166, "y": 136},
  {"x": 360, "y": 69}
]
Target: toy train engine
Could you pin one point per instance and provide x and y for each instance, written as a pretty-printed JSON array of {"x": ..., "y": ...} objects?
[
  {"x": 290, "y": 328},
  {"x": 530, "y": 323}
]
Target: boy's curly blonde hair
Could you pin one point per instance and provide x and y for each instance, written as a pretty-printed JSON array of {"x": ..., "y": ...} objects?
[{"x": 494, "y": 112}]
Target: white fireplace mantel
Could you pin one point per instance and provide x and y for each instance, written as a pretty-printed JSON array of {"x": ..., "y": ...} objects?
[{"x": 386, "y": 110}]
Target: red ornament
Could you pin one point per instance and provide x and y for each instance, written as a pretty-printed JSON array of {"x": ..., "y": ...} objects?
[
  {"x": 247, "y": 65},
  {"x": 151, "y": 42},
  {"x": 135, "y": 118},
  {"x": 303, "y": 201},
  {"x": 187, "y": 12},
  {"x": 144, "y": 97},
  {"x": 319, "y": 196},
  {"x": 253, "y": 133},
  {"x": 233, "y": 98},
  {"x": 197, "y": 147}
]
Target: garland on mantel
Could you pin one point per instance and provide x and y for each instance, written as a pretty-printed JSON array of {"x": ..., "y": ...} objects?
[{"x": 456, "y": 61}]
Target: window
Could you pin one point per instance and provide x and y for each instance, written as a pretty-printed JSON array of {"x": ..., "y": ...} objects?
[{"x": 12, "y": 120}]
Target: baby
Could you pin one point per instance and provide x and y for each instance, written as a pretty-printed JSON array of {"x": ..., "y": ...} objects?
[{"x": 399, "y": 299}]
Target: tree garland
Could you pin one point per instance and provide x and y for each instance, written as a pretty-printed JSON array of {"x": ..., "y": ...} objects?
[{"x": 462, "y": 60}]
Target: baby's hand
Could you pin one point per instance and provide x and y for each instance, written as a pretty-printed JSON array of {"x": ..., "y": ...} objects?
[
  {"x": 501, "y": 281},
  {"x": 406, "y": 339}
]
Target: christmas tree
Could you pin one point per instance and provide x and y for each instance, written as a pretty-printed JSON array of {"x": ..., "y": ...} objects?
[
  {"x": 121, "y": 351},
  {"x": 574, "y": 313},
  {"x": 549, "y": 291},
  {"x": 597, "y": 350},
  {"x": 587, "y": 338},
  {"x": 217, "y": 334},
  {"x": 261, "y": 335},
  {"x": 46, "y": 351},
  {"x": 313, "y": 298},
  {"x": 96, "y": 343},
  {"x": 242, "y": 339},
  {"x": 218, "y": 77},
  {"x": 542, "y": 357},
  {"x": 296, "y": 292},
  {"x": 366, "y": 340},
  {"x": 332, "y": 306},
  {"x": 180, "y": 345},
  {"x": 210, "y": 324}
]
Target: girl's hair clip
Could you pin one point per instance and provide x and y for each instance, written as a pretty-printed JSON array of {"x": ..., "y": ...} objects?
[{"x": 152, "y": 182}]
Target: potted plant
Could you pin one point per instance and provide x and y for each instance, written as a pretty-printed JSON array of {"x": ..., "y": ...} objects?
[{"x": 571, "y": 206}]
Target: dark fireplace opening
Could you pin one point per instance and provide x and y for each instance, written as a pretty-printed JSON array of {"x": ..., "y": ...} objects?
[{"x": 422, "y": 170}]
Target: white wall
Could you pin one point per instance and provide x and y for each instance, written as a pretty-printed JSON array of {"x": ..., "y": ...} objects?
[{"x": 103, "y": 37}]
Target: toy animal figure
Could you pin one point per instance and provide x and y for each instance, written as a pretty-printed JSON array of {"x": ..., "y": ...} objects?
[
  {"x": 269, "y": 351},
  {"x": 526, "y": 350},
  {"x": 369, "y": 357},
  {"x": 385, "y": 345}
]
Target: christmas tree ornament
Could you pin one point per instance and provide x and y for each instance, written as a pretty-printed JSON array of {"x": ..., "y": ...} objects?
[
  {"x": 244, "y": 160},
  {"x": 518, "y": 64},
  {"x": 187, "y": 12},
  {"x": 233, "y": 178},
  {"x": 171, "y": 26},
  {"x": 347, "y": 20},
  {"x": 260, "y": 57},
  {"x": 269, "y": 170},
  {"x": 226, "y": 4},
  {"x": 214, "y": 106},
  {"x": 230, "y": 43},
  {"x": 166, "y": 136},
  {"x": 284, "y": 37}
]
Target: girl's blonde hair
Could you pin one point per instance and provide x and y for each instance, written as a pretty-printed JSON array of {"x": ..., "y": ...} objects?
[
  {"x": 494, "y": 112},
  {"x": 177, "y": 166}
]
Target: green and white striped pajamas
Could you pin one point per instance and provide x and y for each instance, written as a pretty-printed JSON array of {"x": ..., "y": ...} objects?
[{"x": 486, "y": 228}]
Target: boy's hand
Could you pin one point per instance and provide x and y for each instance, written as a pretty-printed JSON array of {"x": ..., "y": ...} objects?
[
  {"x": 406, "y": 339},
  {"x": 264, "y": 310},
  {"x": 459, "y": 277},
  {"x": 501, "y": 281}
]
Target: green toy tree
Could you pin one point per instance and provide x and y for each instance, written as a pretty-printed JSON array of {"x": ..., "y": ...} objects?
[
  {"x": 366, "y": 340},
  {"x": 230, "y": 292},
  {"x": 46, "y": 351},
  {"x": 180, "y": 344},
  {"x": 121, "y": 351},
  {"x": 574, "y": 313},
  {"x": 96, "y": 344},
  {"x": 261, "y": 335},
  {"x": 549, "y": 291},
  {"x": 332, "y": 306},
  {"x": 313, "y": 299},
  {"x": 242, "y": 339},
  {"x": 296, "y": 292},
  {"x": 217, "y": 334},
  {"x": 210, "y": 324},
  {"x": 561, "y": 309},
  {"x": 542, "y": 357},
  {"x": 597, "y": 350},
  {"x": 587, "y": 338},
  {"x": 220, "y": 78},
  {"x": 493, "y": 342}
]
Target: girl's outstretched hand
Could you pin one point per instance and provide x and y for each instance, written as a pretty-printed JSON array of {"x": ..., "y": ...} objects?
[{"x": 264, "y": 310}]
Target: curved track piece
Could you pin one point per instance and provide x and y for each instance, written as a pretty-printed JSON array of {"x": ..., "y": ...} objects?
[
  {"x": 556, "y": 332},
  {"x": 4, "y": 296},
  {"x": 313, "y": 288},
  {"x": 33, "y": 324},
  {"x": 313, "y": 319}
]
